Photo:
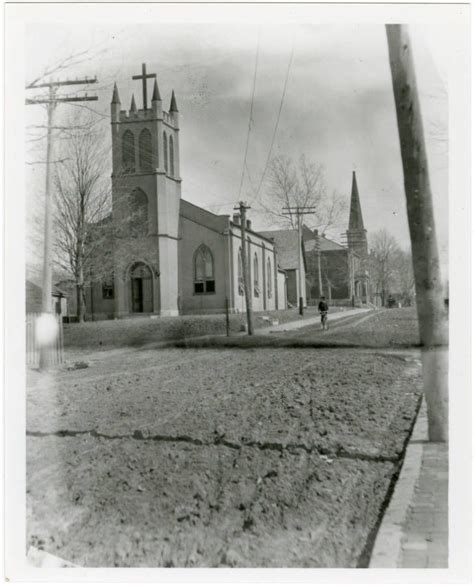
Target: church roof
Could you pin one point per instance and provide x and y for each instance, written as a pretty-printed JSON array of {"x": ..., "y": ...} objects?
[
  {"x": 156, "y": 93},
  {"x": 217, "y": 222},
  {"x": 115, "y": 95},
  {"x": 310, "y": 238},
  {"x": 355, "y": 217},
  {"x": 286, "y": 243},
  {"x": 325, "y": 244},
  {"x": 173, "y": 106}
]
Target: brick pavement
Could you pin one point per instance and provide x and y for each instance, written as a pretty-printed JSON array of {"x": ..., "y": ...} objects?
[{"x": 414, "y": 530}]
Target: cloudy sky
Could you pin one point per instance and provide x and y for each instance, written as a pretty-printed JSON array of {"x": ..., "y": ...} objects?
[{"x": 338, "y": 108}]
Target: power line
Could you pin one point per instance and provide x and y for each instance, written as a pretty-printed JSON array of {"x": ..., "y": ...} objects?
[
  {"x": 250, "y": 115},
  {"x": 278, "y": 118}
]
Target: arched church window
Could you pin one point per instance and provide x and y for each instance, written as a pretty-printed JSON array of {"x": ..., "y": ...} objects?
[
  {"x": 171, "y": 157},
  {"x": 165, "y": 151},
  {"x": 138, "y": 213},
  {"x": 144, "y": 150},
  {"x": 128, "y": 152},
  {"x": 269, "y": 279},
  {"x": 240, "y": 273},
  {"x": 256, "y": 285},
  {"x": 204, "y": 280}
]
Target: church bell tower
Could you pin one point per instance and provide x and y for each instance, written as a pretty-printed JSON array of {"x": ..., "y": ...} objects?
[{"x": 146, "y": 193}]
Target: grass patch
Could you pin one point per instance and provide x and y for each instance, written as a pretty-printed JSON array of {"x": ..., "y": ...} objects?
[{"x": 136, "y": 332}]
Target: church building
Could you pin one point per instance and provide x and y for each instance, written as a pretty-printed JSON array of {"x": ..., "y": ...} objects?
[
  {"x": 340, "y": 272},
  {"x": 170, "y": 256}
]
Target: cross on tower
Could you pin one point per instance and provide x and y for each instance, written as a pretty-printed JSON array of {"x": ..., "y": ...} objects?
[{"x": 144, "y": 76}]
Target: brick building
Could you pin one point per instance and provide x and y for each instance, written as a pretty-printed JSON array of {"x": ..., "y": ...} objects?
[{"x": 340, "y": 272}]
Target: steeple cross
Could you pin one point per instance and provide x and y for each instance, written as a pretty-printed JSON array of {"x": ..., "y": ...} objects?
[{"x": 144, "y": 76}]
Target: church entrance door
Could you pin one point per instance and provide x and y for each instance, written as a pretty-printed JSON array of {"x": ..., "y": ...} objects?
[{"x": 141, "y": 283}]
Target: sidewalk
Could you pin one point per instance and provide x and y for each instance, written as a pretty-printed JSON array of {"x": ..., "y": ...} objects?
[
  {"x": 414, "y": 530},
  {"x": 301, "y": 323}
]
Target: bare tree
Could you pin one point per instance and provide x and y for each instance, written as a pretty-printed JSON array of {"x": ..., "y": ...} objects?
[
  {"x": 404, "y": 276},
  {"x": 83, "y": 204},
  {"x": 301, "y": 184},
  {"x": 384, "y": 252}
]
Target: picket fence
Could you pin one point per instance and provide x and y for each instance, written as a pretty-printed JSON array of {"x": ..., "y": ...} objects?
[{"x": 32, "y": 350}]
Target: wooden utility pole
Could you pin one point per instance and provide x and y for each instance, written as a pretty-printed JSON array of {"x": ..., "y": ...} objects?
[
  {"x": 429, "y": 291},
  {"x": 46, "y": 357},
  {"x": 299, "y": 212},
  {"x": 318, "y": 249},
  {"x": 242, "y": 207}
]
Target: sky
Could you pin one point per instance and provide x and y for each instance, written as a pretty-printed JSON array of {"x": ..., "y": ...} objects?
[{"x": 338, "y": 109}]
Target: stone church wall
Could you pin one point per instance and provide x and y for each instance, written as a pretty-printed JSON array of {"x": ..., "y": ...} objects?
[
  {"x": 193, "y": 235},
  {"x": 264, "y": 251}
]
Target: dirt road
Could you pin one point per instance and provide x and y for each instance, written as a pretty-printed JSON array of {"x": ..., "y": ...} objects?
[{"x": 219, "y": 457}]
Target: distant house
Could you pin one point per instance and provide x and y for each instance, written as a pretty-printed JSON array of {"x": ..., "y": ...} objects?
[
  {"x": 286, "y": 245},
  {"x": 34, "y": 295},
  {"x": 68, "y": 287}
]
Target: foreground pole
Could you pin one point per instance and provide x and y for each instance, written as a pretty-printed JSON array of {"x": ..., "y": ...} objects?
[
  {"x": 46, "y": 350},
  {"x": 300, "y": 266},
  {"x": 429, "y": 292},
  {"x": 46, "y": 330}
]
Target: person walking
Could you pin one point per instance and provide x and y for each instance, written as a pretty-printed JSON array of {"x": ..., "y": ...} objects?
[{"x": 323, "y": 310}]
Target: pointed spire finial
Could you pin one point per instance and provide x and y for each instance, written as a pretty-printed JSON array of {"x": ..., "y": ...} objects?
[
  {"x": 133, "y": 106},
  {"x": 173, "y": 107},
  {"x": 355, "y": 217},
  {"x": 115, "y": 95},
  {"x": 156, "y": 93}
]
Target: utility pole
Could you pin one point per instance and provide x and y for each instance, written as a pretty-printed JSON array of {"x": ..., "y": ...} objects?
[
  {"x": 318, "y": 250},
  {"x": 242, "y": 207},
  {"x": 429, "y": 291},
  {"x": 52, "y": 100},
  {"x": 299, "y": 211}
]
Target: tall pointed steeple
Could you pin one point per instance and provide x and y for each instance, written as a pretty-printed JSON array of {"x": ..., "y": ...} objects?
[
  {"x": 133, "y": 106},
  {"x": 173, "y": 106},
  {"x": 115, "y": 106},
  {"x": 355, "y": 217},
  {"x": 156, "y": 93},
  {"x": 356, "y": 234},
  {"x": 115, "y": 95}
]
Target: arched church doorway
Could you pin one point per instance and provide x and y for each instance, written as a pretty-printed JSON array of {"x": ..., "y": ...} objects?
[{"x": 141, "y": 288}]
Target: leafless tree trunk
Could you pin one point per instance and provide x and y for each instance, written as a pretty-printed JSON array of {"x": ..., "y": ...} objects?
[{"x": 82, "y": 202}]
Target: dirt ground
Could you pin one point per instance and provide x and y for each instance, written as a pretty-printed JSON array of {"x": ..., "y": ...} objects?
[{"x": 257, "y": 457}]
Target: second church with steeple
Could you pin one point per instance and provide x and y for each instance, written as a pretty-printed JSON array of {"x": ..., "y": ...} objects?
[{"x": 339, "y": 272}]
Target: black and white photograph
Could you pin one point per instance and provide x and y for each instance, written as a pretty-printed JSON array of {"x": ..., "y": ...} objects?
[{"x": 233, "y": 233}]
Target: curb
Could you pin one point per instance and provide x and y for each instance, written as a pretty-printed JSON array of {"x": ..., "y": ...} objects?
[{"x": 388, "y": 544}]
